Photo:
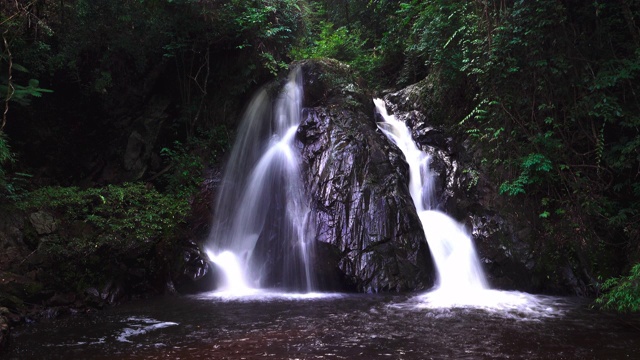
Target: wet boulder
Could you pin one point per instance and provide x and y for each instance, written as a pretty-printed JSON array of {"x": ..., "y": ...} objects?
[
  {"x": 192, "y": 272},
  {"x": 357, "y": 182}
]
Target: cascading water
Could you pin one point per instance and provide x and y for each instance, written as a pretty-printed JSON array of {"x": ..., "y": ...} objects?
[
  {"x": 461, "y": 281},
  {"x": 260, "y": 234},
  {"x": 453, "y": 253}
]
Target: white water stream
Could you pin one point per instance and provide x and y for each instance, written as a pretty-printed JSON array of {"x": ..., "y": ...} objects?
[
  {"x": 262, "y": 203},
  {"x": 461, "y": 281}
]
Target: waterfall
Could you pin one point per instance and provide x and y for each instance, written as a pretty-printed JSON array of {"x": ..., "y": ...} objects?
[
  {"x": 456, "y": 261},
  {"x": 260, "y": 234}
]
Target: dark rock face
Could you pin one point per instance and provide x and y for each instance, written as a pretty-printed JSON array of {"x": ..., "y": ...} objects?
[
  {"x": 12, "y": 240},
  {"x": 193, "y": 272},
  {"x": 141, "y": 141},
  {"x": 507, "y": 259},
  {"x": 366, "y": 225}
]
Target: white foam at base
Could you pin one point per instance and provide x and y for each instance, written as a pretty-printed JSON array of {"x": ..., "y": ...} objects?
[
  {"x": 234, "y": 283},
  {"x": 265, "y": 295},
  {"x": 512, "y": 304}
]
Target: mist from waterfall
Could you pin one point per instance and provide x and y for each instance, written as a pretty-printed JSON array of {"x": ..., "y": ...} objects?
[
  {"x": 461, "y": 281},
  {"x": 260, "y": 234}
]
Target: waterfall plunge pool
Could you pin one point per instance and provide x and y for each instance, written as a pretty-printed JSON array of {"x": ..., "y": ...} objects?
[{"x": 331, "y": 326}]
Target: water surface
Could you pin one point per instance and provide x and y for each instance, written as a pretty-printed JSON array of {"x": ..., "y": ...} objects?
[{"x": 316, "y": 326}]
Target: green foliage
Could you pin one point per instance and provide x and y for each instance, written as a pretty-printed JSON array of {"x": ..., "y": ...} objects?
[
  {"x": 340, "y": 44},
  {"x": 534, "y": 168},
  {"x": 267, "y": 28},
  {"x": 15, "y": 84},
  {"x": 434, "y": 33},
  {"x": 114, "y": 58},
  {"x": 261, "y": 17},
  {"x": 129, "y": 215},
  {"x": 6, "y": 156},
  {"x": 345, "y": 44},
  {"x": 350, "y": 32},
  {"x": 22, "y": 94},
  {"x": 472, "y": 178},
  {"x": 186, "y": 162},
  {"x": 186, "y": 172},
  {"x": 621, "y": 294}
]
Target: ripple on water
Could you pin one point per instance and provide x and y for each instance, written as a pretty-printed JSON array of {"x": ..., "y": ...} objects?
[{"x": 354, "y": 327}]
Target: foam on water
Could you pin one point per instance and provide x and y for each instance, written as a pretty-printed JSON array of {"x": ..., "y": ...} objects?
[
  {"x": 261, "y": 295},
  {"x": 513, "y": 304},
  {"x": 141, "y": 325}
]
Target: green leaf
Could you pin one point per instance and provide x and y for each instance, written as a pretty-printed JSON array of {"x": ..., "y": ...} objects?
[{"x": 20, "y": 68}]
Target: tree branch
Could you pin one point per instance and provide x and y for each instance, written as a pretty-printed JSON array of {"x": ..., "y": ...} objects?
[{"x": 10, "y": 88}]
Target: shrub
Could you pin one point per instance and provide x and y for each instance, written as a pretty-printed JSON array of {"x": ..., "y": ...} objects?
[
  {"x": 340, "y": 44},
  {"x": 187, "y": 161},
  {"x": 622, "y": 294},
  {"x": 129, "y": 213}
]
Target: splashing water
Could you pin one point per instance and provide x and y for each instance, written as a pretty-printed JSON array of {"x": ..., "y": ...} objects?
[
  {"x": 234, "y": 281},
  {"x": 461, "y": 280},
  {"x": 262, "y": 212}
]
